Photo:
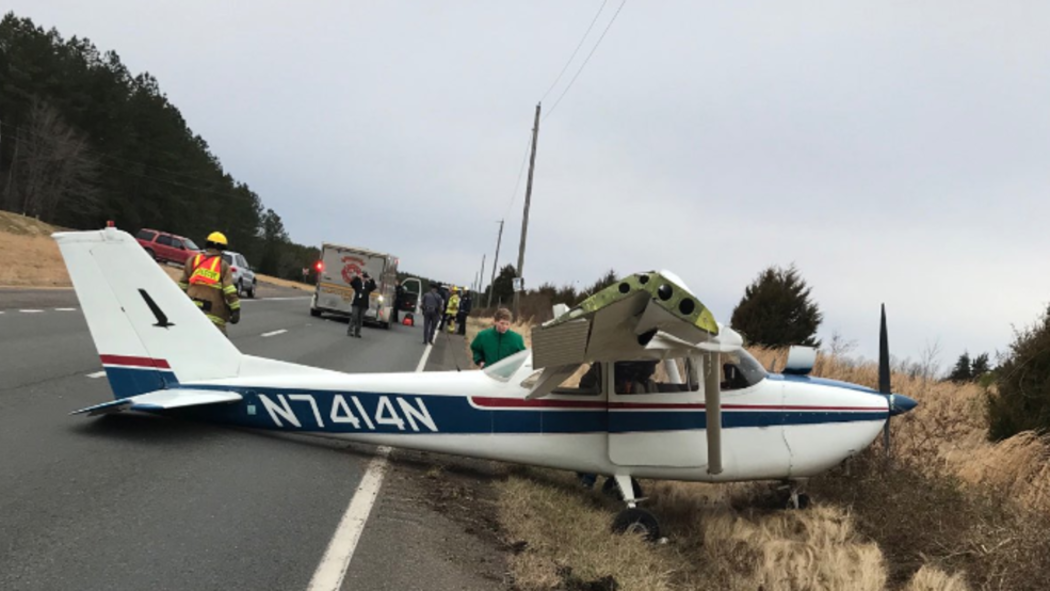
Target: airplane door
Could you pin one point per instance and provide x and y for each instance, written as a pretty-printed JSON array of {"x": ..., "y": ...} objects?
[
  {"x": 656, "y": 413},
  {"x": 417, "y": 290}
]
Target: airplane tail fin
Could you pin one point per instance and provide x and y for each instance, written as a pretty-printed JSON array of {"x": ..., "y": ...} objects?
[{"x": 149, "y": 335}]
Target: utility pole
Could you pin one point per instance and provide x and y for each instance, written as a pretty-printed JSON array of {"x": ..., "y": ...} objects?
[
  {"x": 495, "y": 265},
  {"x": 525, "y": 218}
]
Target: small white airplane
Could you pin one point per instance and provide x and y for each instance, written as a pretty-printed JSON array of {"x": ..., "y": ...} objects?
[{"x": 637, "y": 381}]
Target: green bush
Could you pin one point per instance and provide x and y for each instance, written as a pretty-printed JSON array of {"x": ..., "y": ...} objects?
[{"x": 1022, "y": 402}]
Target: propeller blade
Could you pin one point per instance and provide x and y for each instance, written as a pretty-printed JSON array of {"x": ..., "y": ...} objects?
[
  {"x": 884, "y": 356},
  {"x": 884, "y": 378}
]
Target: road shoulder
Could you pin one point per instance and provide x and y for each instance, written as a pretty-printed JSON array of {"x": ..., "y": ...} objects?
[{"x": 434, "y": 525}]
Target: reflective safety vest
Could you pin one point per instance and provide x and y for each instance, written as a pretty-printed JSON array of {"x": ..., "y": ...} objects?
[{"x": 207, "y": 272}]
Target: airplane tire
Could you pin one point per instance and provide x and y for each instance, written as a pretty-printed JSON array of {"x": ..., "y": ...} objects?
[
  {"x": 637, "y": 521},
  {"x": 611, "y": 490}
]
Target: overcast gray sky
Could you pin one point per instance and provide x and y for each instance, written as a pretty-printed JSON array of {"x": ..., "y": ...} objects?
[{"x": 894, "y": 151}]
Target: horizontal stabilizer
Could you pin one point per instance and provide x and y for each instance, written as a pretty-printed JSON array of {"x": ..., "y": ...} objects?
[{"x": 162, "y": 400}]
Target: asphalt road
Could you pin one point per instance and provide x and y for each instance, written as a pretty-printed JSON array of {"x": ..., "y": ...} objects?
[{"x": 140, "y": 502}]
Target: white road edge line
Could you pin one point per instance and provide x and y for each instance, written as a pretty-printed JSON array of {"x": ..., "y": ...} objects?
[
  {"x": 31, "y": 311},
  {"x": 274, "y": 333},
  {"x": 332, "y": 570},
  {"x": 97, "y": 374}
]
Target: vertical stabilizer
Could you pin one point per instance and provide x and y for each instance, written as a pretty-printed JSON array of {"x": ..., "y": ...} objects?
[{"x": 149, "y": 335}]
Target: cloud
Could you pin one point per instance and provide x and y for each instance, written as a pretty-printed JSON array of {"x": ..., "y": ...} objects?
[{"x": 896, "y": 152}]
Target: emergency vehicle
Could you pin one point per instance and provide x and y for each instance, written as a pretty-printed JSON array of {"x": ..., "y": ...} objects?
[{"x": 335, "y": 270}]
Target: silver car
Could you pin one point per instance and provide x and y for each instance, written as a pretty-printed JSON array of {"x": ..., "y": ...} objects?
[{"x": 243, "y": 275}]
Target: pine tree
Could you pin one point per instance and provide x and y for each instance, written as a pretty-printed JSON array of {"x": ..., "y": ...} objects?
[
  {"x": 979, "y": 366},
  {"x": 776, "y": 310},
  {"x": 962, "y": 372},
  {"x": 503, "y": 286}
]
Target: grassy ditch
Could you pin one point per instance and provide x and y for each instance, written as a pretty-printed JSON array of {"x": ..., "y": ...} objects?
[{"x": 951, "y": 512}]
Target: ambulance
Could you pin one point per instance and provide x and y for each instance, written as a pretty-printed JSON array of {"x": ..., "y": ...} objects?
[{"x": 336, "y": 268}]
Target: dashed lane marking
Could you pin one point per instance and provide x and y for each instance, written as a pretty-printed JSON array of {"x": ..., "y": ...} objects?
[
  {"x": 274, "y": 333},
  {"x": 65, "y": 309},
  {"x": 97, "y": 374},
  {"x": 31, "y": 311}
]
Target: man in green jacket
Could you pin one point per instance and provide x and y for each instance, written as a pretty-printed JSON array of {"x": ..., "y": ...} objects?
[{"x": 498, "y": 342}]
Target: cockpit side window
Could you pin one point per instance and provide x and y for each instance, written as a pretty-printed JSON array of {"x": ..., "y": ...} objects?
[
  {"x": 652, "y": 376},
  {"x": 740, "y": 370}
]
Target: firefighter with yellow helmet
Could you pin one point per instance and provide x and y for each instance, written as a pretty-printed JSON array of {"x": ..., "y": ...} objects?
[
  {"x": 452, "y": 309},
  {"x": 207, "y": 279}
]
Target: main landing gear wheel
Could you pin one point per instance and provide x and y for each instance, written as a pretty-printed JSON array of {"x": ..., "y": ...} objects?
[
  {"x": 792, "y": 495},
  {"x": 610, "y": 489},
  {"x": 636, "y": 521}
]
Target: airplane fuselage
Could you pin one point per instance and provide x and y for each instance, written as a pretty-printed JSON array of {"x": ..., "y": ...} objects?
[{"x": 780, "y": 427}]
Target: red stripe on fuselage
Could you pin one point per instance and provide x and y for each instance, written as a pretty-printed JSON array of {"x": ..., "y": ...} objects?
[
  {"x": 134, "y": 361},
  {"x": 518, "y": 403}
]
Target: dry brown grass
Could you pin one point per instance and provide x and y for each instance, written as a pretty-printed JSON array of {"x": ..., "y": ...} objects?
[
  {"x": 29, "y": 257},
  {"x": 721, "y": 537},
  {"x": 31, "y": 261},
  {"x": 952, "y": 512}
]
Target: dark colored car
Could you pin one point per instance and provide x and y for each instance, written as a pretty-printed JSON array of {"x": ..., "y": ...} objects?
[{"x": 166, "y": 247}]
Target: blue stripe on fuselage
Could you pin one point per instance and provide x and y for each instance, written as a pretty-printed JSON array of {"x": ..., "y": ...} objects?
[{"x": 455, "y": 415}]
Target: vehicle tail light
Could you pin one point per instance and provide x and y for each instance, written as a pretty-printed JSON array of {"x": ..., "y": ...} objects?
[
  {"x": 319, "y": 266},
  {"x": 233, "y": 269}
]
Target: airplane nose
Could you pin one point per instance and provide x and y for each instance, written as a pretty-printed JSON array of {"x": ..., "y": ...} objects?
[{"x": 900, "y": 404}]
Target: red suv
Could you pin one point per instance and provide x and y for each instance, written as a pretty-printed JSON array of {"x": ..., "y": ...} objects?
[{"x": 165, "y": 247}]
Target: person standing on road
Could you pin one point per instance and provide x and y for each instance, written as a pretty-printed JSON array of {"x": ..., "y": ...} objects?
[
  {"x": 498, "y": 342},
  {"x": 399, "y": 296},
  {"x": 208, "y": 281},
  {"x": 363, "y": 286},
  {"x": 465, "y": 304},
  {"x": 452, "y": 310},
  {"x": 431, "y": 305}
]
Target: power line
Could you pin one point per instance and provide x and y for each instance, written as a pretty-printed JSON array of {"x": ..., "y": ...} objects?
[
  {"x": 575, "y": 51},
  {"x": 584, "y": 65}
]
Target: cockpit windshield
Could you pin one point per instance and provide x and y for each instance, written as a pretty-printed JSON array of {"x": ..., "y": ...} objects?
[
  {"x": 503, "y": 369},
  {"x": 740, "y": 370}
]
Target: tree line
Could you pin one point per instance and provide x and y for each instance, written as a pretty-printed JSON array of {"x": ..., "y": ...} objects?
[{"x": 83, "y": 140}]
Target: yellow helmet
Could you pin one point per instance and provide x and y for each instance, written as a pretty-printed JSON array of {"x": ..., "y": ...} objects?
[{"x": 217, "y": 238}]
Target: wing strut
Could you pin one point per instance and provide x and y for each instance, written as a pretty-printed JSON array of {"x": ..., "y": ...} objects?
[{"x": 713, "y": 408}]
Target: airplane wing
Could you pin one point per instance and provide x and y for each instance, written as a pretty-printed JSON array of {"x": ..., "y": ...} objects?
[
  {"x": 622, "y": 322},
  {"x": 643, "y": 316},
  {"x": 162, "y": 400}
]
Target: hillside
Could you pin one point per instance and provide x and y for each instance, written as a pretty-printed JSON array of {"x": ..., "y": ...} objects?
[
  {"x": 86, "y": 140},
  {"x": 29, "y": 257}
]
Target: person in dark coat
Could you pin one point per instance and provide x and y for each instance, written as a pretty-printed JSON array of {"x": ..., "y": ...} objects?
[
  {"x": 363, "y": 286},
  {"x": 465, "y": 304},
  {"x": 431, "y": 305},
  {"x": 399, "y": 297}
]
